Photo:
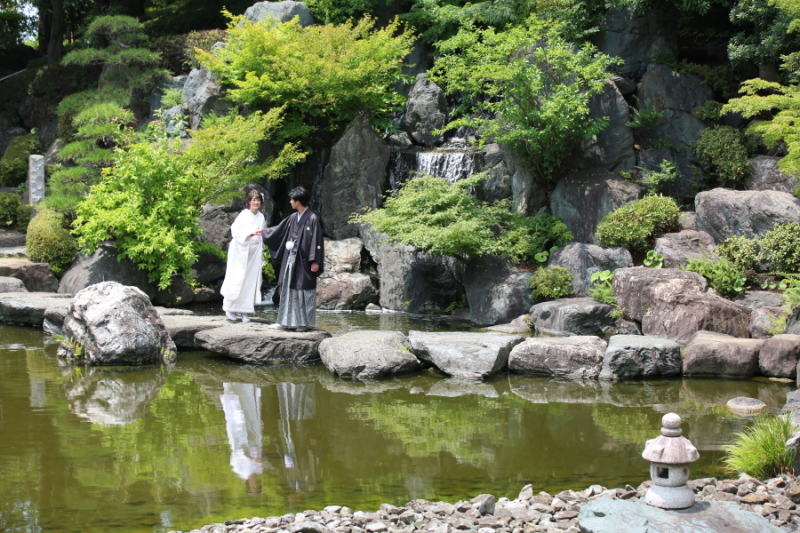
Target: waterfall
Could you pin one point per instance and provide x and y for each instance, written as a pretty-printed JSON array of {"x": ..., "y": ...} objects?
[{"x": 451, "y": 161}]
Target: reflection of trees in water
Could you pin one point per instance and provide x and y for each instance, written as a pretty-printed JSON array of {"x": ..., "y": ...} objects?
[{"x": 112, "y": 398}]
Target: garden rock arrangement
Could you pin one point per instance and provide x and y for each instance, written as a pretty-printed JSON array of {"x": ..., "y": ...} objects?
[{"x": 744, "y": 505}]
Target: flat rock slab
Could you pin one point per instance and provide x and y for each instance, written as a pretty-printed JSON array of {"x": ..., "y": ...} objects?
[
  {"x": 183, "y": 328},
  {"x": 258, "y": 344},
  {"x": 36, "y": 276},
  {"x": 11, "y": 239},
  {"x": 575, "y": 357},
  {"x": 637, "y": 357},
  {"x": 367, "y": 355},
  {"x": 8, "y": 284},
  {"x": 13, "y": 251},
  {"x": 519, "y": 325},
  {"x": 465, "y": 355},
  {"x": 614, "y": 516},
  {"x": 709, "y": 353},
  {"x": 28, "y": 308}
]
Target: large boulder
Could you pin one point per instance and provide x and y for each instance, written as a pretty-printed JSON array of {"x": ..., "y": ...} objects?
[
  {"x": 37, "y": 277},
  {"x": 726, "y": 213},
  {"x": 203, "y": 93},
  {"x": 342, "y": 285},
  {"x": 640, "y": 357},
  {"x": 29, "y": 308},
  {"x": 497, "y": 291},
  {"x": 639, "y": 289},
  {"x": 104, "y": 265},
  {"x": 113, "y": 324},
  {"x": 466, "y": 355},
  {"x": 578, "y": 316},
  {"x": 280, "y": 11},
  {"x": 36, "y": 111},
  {"x": 8, "y": 284},
  {"x": 682, "y": 315},
  {"x": 355, "y": 177},
  {"x": 763, "y": 321},
  {"x": 582, "y": 260},
  {"x": 709, "y": 353},
  {"x": 368, "y": 355},
  {"x": 612, "y": 148},
  {"x": 426, "y": 111},
  {"x": 256, "y": 343},
  {"x": 635, "y": 36},
  {"x": 679, "y": 248},
  {"x": 767, "y": 177},
  {"x": 410, "y": 280},
  {"x": 498, "y": 184},
  {"x": 779, "y": 355},
  {"x": 574, "y": 357},
  {"x": 581, "y": 200}
]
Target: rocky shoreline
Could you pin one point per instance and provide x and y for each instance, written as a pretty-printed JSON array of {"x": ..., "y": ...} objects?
[{"x": 776, "y": 500}]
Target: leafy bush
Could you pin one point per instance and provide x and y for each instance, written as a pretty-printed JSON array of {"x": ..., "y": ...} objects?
[
  {"x": 741, "y": 250},
  {"x": 723, "y": 155},
  {"x": 635, "y": 225},
  {"x": 323, "y": 75},
  {"x": 603, "y": 289},
  {"x": 24, "y": 212},
  {"x": 9, "y": 203},
  {"x": 710, "y": 112},
  {"x": 780, "y": 247},
  {"x": 525, "y": 86},
  {"x": 722, "y": 275},
  {"x": 49, "y": 242},
  {"x": 14, "y": 164},
  {"x": 443, "y": 218},
  {"x": 656, "y": 181},
  {"x": 551, "y": 282},
  {"x": 761, "y": 450}
]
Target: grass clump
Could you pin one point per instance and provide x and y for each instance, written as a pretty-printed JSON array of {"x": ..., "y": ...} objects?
[
  {"x": 761, "y": 450},
  {"x": 550, "y": 282},
  {"x": 635, "y": 225},
  {"x": 50, "y": 242}
]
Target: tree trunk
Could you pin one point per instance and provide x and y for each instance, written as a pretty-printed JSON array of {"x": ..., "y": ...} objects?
[
  {"x": 45, "y": 19},
  {"x": 56, "y": 47}
]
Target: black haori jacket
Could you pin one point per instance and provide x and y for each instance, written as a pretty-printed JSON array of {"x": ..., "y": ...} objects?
[{"x": 310, "y": 249}]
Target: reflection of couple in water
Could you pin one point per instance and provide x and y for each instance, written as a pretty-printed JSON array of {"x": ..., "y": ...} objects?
[{"x": 241, "y": 403}]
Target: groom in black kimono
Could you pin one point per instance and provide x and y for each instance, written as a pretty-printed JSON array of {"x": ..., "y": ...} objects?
[{"x": 300, "y": 252}]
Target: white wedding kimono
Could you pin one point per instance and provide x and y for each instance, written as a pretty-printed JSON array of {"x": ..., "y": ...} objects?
[{"x": 241, "y": 289}]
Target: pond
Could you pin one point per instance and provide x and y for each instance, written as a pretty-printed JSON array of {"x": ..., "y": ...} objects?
[{"x": 157, "y": 449}]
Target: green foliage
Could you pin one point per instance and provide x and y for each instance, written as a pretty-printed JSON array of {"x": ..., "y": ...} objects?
[
  {"x": 178, "y": 51},
  {"x": 780, "y": 247},
  {"x": 695, "y": 7},
  {"x": 551, "y": 282},
  {"x": 171, "y": 98},
  {"x": 445, "y": 219},
  {"x": 723, "y": 155},
  {"x": 722, "y": 275},
  {"x": 741, "y": 250},
  {"x": 710, "y": 112},
  {"x": 323, "y": 75},
  {"x": 645, "y": 116},
  {"x": 14, "y": 164},
  {"x": 603, "y": 289},
  {"x": 24, "y": 212},
  {"x": 9, "y": 204},
  {"x": 13, "y": 25},
  {"x": 653, "y": 259},
  {"x": 268, "y": 270},
  {"x": 761, "y": 450},
  {"x": 340, "y": 11},
  {"x": 48, "y": 241},
  {"x": 635, "y": 225},
  {"x": 767, "y": 35},
  {"x": 657, "y": 181},
  {"x": 525, "y": 86},
  {"x": 150, "y": 200}
]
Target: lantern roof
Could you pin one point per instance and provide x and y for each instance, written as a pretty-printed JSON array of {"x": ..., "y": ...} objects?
[{"x": 670, "y": 447}]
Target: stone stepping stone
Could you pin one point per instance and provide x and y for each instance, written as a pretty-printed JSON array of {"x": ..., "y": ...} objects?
[
  {"x": 183, "y": 328},
  {"x": 638, "y": 356},
  {"x": 465, "y": 355},
  {"x": 716, "y": 354},
  {"x": 28, "y": 308},
  {"x": 367, "y": 354},
  {"x": 742, "y": 405},
  {"x": 257, "y": 343},
  {"x": 579, "y": 357},
  {"x": 13, "y": 251}
]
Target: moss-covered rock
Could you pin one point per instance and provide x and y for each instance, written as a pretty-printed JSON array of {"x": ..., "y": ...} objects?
[
  {"x": 50, "y": 242},
  {"x": 14, "y": 164}
]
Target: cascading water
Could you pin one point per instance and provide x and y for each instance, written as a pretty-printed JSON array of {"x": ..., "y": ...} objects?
[{"x": 452, "y": 161}]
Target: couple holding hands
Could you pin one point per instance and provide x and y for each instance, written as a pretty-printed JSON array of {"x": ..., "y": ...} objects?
[{"x": 296, "y": 244}]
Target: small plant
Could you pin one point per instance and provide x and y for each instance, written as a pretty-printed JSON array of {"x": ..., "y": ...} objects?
[
  {"x": 723, "y": 155},
  {"x": 656, "y": 180},
  {"x": 780, "y": 247},
  {"x": 9, "y": 204},
  {"x": 768, "y": 284},
  {"x": 722, "y": 275},
  {"x": 603, "y": 290},
  {"x": 551, "y": 282},
  {"x": 49, "y": 242},
  {"x": 74, "y": 346},
  {"x": 617, "y": 313},
  {"x": 710, "y": 112},
  {"x": 761, "y": 450},
  {"x": 741, "y": 250},
  {"x": 635, "y": 225},
  {"x": 172, "y": 97},
  {"x": 458, "y": 304},
  {"x": 653, "y": 259},
  {"x": 542, "y": 256},
  {"x": 645, "y": 115}
]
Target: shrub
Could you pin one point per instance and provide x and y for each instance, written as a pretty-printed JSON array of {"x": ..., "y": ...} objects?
[
  {"x": 722, "y": 275},
  {"x": 710, "y": 112},
  {"x": 741, "y": 250},
  {"x": 761, "y": 450},
  {"x": 49, "y": 242},
  {"x": 781, "y": 248},
  {"x": 603, "y": 290},
  {"x": 24, "y": 212},
  {"x": 551, "y": 282},
  {"x": 14, "y": 165},
  {"x": 723, "y": 155},
  {"x": 9, "y": 203},
  {"x": 635, "y": 225},
  {"x": 656, "y": 181}
]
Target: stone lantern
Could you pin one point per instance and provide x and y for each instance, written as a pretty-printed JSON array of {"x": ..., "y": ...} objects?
[{"x": 669, "y": 456}]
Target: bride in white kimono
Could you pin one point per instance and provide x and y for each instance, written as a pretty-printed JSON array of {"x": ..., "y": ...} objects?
[{"x": 241, "y": 289}]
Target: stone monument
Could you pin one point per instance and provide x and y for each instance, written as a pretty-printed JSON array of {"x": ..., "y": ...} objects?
[{"x": 669, "y": 456}]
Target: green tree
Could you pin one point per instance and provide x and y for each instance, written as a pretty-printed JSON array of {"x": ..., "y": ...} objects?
[
  {"x": 766, "y": 37},
  {"x": 322, "y": 75},
  {"x": 526, "y": 87},
  {"x": 445, "y": 219},
  {"x": 150, "y": 200}
]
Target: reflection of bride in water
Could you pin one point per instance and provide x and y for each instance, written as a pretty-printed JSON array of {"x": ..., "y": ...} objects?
[{"x": 241, "y": 403}]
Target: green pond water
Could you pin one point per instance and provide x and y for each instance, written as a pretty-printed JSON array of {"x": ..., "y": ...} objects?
[{"x": 157, "y": 449}]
